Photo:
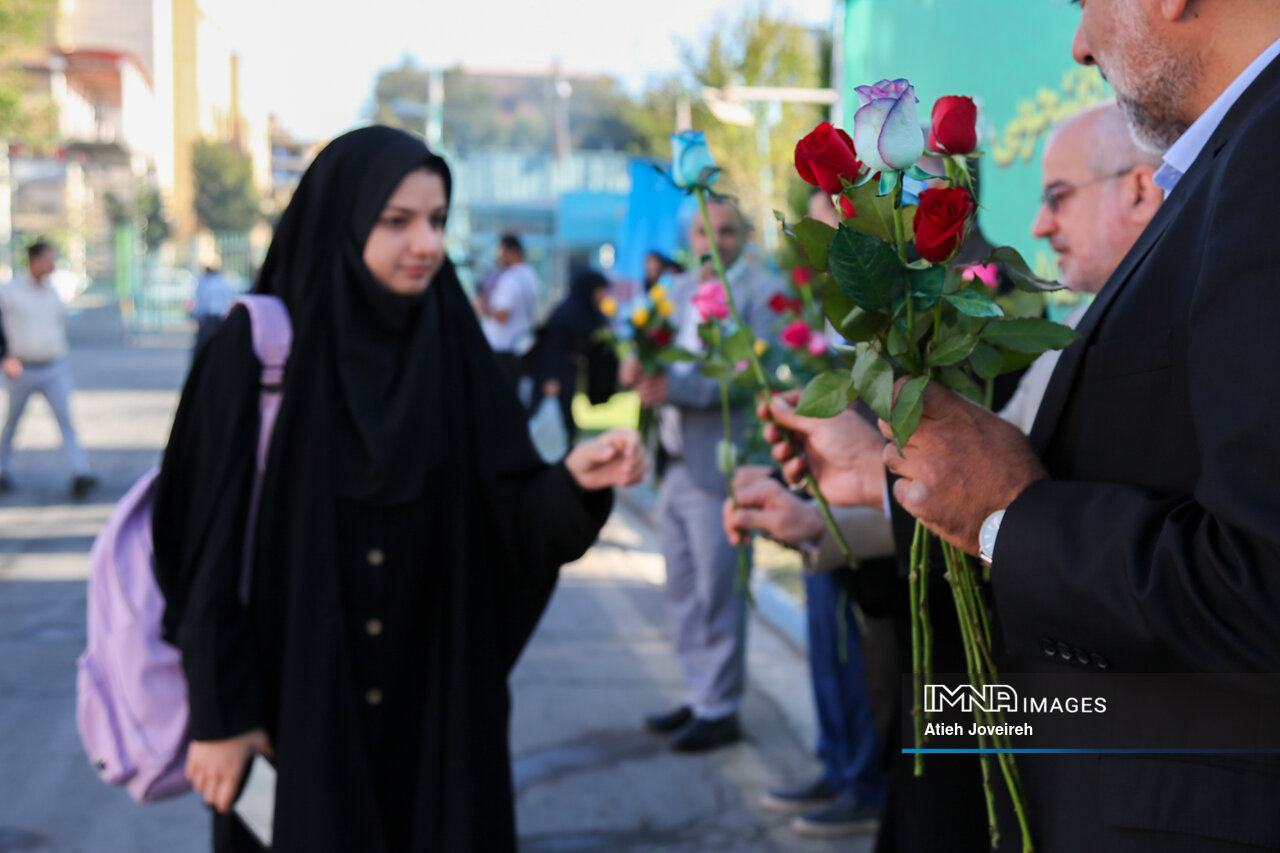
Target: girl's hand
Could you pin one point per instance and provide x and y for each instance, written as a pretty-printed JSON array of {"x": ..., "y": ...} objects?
[{"x": 615, "y": 458}]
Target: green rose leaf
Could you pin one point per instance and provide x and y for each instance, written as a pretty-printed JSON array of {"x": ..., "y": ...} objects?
[
  {"x": 827, "y": 395},
  {"x": 873, "y": 380},
  {"x": 836, "y": 305},
  {"x": 958, "y": 380},
  {"x": 875, "y": 213},
  {"x": 782, "y": 223},
  {"x": 726, "y": 457},
  {"x": 927, "y": 286},
  {"x": 907, "y": 410},
  {"x": 815, "y": 241},
  {"x": 1018, "y": 271},
  {"x": 713, "y": 370},
  {"x": 951, "y": 350},
  {"x": 985, "y": 361},
  {"x": 859, "y": 325},
  {"x": 974, "y": 304},
  {"x": 1028, "y": 334},
  {"x": 1011, "y": 360},
  {"x": 865, "y": 269},
  {"x": 738, "y": 346},
  {"x": 671, "y": 355}
]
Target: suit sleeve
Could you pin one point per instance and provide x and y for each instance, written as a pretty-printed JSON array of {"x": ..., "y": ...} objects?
[
  {"x": 201, "y": 509},
  {"x": 1182, "y": 582}
]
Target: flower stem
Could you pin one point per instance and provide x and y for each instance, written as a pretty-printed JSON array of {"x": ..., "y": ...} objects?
[{"x": 761, "y": 377}]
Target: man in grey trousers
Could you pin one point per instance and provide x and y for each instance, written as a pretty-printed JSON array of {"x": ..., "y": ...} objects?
[
  {"x": 34, "y": 349},
  {"x": 706, "y": 605}
]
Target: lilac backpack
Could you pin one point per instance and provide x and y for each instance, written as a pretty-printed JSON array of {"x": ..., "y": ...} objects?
[{"x": 131, "y": 695}]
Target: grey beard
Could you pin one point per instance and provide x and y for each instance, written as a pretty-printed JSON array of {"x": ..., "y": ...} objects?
[{"x": 1152, "y": 133}]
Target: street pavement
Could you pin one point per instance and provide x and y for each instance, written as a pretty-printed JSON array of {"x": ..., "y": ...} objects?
[{"x": 587, "y": 778}]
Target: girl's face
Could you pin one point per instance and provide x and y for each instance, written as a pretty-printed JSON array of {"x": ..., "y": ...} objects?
[{"x": 405, "y": 249}]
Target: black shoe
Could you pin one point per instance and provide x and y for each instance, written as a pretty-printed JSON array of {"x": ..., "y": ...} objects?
[
  {"x": 6, "y": 485},
  {"x": 83, "y": 484},
  {"x": 798, "y": 798},
  {"x": 669, "y": 721},
  {"x": 844, "y": 815},
  {"x": 701, "y": 735}
]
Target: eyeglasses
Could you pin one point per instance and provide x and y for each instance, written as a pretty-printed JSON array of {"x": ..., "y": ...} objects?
[{"x": 1055, "y": 194}]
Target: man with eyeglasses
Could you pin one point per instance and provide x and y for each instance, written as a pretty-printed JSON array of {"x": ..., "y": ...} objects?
[
  {"x": 1134, "y": 539},
  {"x": 1099, "y": 195}
]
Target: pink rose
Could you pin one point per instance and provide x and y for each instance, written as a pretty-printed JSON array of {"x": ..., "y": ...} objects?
[
  {"x": 796, "y": 335},
  {"x": 817, "y": 345},
  {"x": 710, "y": 300}
]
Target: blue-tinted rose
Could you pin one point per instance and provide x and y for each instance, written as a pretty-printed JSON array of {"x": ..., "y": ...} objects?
[
  {"x": 691, "y": 162},
  {"x": 886, "y": 131}
]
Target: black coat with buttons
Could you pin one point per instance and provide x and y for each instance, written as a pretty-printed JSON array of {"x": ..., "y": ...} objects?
[{"x": 378, "y": 666}]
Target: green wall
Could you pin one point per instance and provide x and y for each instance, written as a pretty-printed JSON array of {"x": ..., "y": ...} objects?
[{"x": 1011, "y": 56}]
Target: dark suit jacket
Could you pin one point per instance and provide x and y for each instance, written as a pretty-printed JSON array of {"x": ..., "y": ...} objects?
[{"x": 1155, "y": 545}]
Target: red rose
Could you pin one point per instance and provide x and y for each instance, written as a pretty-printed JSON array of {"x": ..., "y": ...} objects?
[
  {"x": 796, "y": 335},
  {"x": 660, "y": 336},
  {"x": 940, "y": 222},
  {"x": 846, "y": 208},
  {"x": 825, "y": 156},
  {"x": 802, "y": 276},
  {"x": 778, "y": 303},
  {"x": 796, "y": 305},
  {"x": 955, "y": 125}
]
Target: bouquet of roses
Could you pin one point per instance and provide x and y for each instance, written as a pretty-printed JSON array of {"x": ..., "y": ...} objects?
[
  {"x": 914, "y": 317},
  {"x": 642, "y": 330}
]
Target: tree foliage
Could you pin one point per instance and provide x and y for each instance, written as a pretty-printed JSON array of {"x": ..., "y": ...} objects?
[
  {"x": 758, "y": 49},
  {"x": 226, "y": 197},
  {"x": 145, "y": 211},
  {"x": 23, "y": 114}
]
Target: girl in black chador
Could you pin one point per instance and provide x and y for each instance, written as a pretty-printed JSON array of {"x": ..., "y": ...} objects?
[{"x": 408, "y": 536}]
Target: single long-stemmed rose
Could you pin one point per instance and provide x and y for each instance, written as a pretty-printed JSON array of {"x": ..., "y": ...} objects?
[{"x": 694, "y": 170}]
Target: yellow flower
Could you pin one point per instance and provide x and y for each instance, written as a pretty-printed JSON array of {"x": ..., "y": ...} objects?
[
  {"x": 639, "y": 317},
  {"x": 760, "y": 346},
  {"x": 608, "y": 306},
  {"x": 658, "y": 293},
  {"x": 665, "y": 307}
]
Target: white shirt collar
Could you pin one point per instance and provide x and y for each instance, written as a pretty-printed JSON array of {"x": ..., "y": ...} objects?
[{"x": 1180, "y": 156}]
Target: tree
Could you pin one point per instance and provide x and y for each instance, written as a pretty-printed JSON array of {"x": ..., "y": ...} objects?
[
  {"x": 23, "y": 114},
  {"x": 145, "y": 211},
  {"x": 226, "y": 197},
  {"x": 758, "y": 49}
]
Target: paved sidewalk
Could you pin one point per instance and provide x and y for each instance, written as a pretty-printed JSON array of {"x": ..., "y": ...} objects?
[{"x": 587, "y": 778}]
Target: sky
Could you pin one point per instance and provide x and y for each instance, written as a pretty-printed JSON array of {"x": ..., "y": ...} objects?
[{"x": 313, "y": 62}]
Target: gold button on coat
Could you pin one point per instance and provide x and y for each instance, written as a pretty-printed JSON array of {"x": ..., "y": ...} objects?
[
  {"x": 373, "y": 627},
  {"x": 376, "y": 557},
  {"x": 373, "y": 696}
]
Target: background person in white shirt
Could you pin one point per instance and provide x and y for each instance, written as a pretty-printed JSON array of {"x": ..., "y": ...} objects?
[
  {"x": 35, "y": 342},
  {"x": 507, "y": 312}
]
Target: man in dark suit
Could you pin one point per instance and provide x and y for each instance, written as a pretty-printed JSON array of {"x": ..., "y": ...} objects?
[{"x": 1138, "y": 530}]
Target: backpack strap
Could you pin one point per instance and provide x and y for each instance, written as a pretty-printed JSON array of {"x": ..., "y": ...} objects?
[{"x": 272, "y": 342}]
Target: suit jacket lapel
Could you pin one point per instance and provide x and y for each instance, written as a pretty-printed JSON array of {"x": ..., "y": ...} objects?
[{"x": 1059, "y": 387}]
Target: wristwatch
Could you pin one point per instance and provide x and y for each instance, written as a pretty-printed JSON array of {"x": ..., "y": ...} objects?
[{"x": 987, "y": 536}]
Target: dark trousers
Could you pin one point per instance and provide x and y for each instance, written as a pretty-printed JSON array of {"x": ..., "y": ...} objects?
[{"x": 847, "y": 743}]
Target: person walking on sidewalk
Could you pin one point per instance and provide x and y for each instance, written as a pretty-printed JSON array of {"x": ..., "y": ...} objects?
[
  {"x": 34, "y": 349},
  {"x": 408, "y": 535}
]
